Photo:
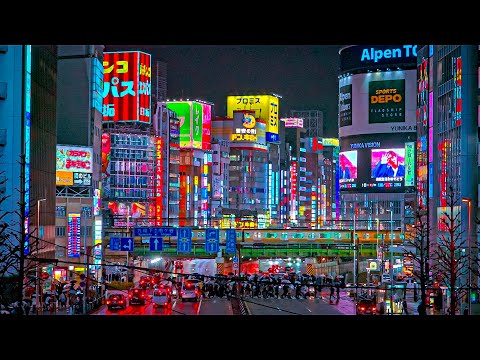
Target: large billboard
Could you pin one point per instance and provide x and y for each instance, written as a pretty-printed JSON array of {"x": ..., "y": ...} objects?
[
  {"x": 127, "y": 86},
  {"x": 247, "y": 129},
  {"x": 184, "y": 114},
  {"x": 345, "y": 105},
  {"x": 266, "y": 108},
  {"x": 74, "y": 165},
  {"x": 206, "y": 126},
  {"x": 386, "y": 101},
  {"x": 377, "y": 102},
  {"x": 195, "y": 123},
  {"x": 377, "y": 163}
]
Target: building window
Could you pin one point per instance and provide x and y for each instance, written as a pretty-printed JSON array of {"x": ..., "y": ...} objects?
[
  {"x": 87, "y": 211},
  {"x": 60, "y": 231},
  {"x": 60, "y": 211}
]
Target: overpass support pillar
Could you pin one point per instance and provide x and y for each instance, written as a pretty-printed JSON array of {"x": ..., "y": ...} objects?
[
  {"x": 220, "y": 261},
  {"x": 310, "y": 261}
]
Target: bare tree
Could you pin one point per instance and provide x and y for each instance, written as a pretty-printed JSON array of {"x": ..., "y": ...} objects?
[
  {"x": 14, "y": 267},
  {"x": 450, "y": 258},
  {"x": 421, "y": 256}
]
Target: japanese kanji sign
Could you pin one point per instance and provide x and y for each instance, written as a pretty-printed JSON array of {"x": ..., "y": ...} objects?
[{"x": 127, "y": 86}]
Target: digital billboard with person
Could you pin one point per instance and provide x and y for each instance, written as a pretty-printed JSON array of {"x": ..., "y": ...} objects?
[
  {"x": 388, "y": 163},
  {"x": 348, "y": 165}
]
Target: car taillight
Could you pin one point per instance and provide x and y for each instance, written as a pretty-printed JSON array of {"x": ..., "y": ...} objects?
[
  {"x": 108, "y": 302},
  {"x": 143, "y": 295},
  {"x": 120, "y": 302},
  {"x": 196, "y": 292},
  {"x": 362, "y": 308},
  {"x": 374, "y": 308},
  {"x": 165, "y": 303}
]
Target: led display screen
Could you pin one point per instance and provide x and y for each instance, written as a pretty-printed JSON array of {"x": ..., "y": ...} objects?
[{"x": 377, "y": 163}]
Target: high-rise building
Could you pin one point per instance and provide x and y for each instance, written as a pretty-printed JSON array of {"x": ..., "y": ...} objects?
[
  {"x": 312, "y": 121},
  {"x": 159, "y": 81},
  {"x": 248, "y": 195},
  {"x": 195, "y": 161},
  {"x": 28, "y": 90},
  {"x": 167, "y": 169},
  {"x": 377, "y": 133},
  {"x": 448, "y": 138},
  {"x": 78, "y": 159}
]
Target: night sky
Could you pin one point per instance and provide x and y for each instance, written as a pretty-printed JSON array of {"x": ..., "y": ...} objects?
[{"x": 305, "y": 75}]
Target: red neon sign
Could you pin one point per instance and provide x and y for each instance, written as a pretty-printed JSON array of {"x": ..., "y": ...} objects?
[{"x": 127, "y": 86}]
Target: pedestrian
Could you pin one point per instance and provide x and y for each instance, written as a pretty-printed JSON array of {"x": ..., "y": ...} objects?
[
  {"x": 63, "y": 300},
  {"x": 404, "y": 306},
  {"x": 465, "y": 311},
  {"x": 332, "y": 292}
]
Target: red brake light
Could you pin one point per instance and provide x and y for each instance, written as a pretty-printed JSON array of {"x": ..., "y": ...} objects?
[
  {"x": 108, "y": 302},
  {"x": 120, "y": 302},
  {"x": 362, "y": 308}
]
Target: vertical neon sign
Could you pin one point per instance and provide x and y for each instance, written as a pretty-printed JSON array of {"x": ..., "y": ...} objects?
[
  {"x": 73, "y": 236},
  {"x": 293, "y": 192},
  {"x": 27, "y": 98},
  {"x": 158, "y": 182}
]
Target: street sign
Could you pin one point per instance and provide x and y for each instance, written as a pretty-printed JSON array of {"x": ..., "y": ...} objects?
[
  {"x": 115, "y": 243},
  {"x": 184, "y": 242},
  {"x": 235, "y": 265},
  {"x": 156, "y": 244},
  {"x": 154, "y": 231},
  {"x": 231, "y": 241},
  {"x": 212, "y": 240},
  {"x": 126, "y": 244}
]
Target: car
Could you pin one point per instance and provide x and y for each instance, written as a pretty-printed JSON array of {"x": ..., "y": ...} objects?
[
  {"x": 116, "y": 300},
  {"x": 366, "y": 307},
  {"x": 162, "y": 296},
  {"x": 137, "y": 296},
  {"x": 145, "y": 281},
  {"x": 190, "y": 290}
]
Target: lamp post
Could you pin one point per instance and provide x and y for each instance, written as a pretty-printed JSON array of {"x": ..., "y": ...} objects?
[
  {"x": 391, "y": 260},
  {"x": 38, "y": 299},
  {"x": 469, "y": 301},
  {"x": 376, "y": 252}
]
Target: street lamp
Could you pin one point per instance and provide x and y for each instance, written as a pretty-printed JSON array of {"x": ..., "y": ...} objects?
[
  {"x": 37, "y": 279},
  {"x": 377, "y": 220},
  {"x": 391, "y": 260},
  {"x": 469, "y": 301}
]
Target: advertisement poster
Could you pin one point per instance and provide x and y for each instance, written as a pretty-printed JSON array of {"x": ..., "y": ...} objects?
[
  {"x": 345, "y": 106},
  {"x": 348, "y": 165},
  {"x": 388, "y": 163},
  {"x": 386, "y": 101}
]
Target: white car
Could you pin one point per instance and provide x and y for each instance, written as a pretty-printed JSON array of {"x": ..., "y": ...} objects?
[
  {"x": 190, "y": 290},
  {"x": 162, "y": 296}
]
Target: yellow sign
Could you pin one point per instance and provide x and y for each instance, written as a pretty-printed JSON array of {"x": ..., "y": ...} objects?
[
  {"x": 266, "y": 107},
  {"x": 372, "y": 265},
  {"x": 330, "y": 142},
  {"x": 64, "y": 178}
]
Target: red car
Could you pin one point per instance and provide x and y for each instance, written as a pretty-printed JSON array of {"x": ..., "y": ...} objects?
[
  {"x": 116, "y": 301},
  {"x": 366, "y": 307},
  {"x": 137, "y": 296}
]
